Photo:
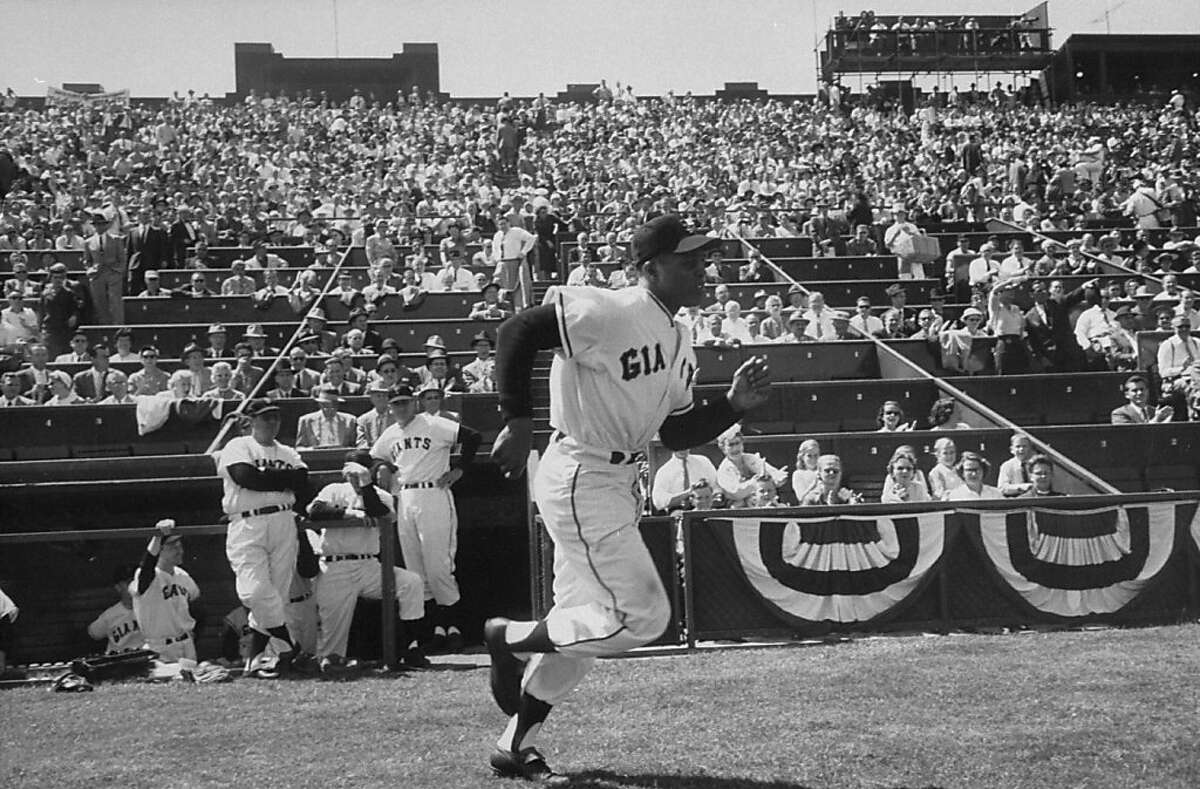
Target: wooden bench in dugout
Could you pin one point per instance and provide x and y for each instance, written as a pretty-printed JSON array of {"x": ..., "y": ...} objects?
[{"x": 241, "y": 309}]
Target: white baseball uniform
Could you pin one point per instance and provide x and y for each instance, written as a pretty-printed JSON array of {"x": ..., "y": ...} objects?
[
  {"x": 426, "y": 521},
  {"x": 261, "y": 548},
  {"x": 301, "y": 613},
  {"x": 623, "y": 367},
  {"x": 350, "y": 570},
  {"x": 162, "y": 612},
  {"x": 119, "y": 625}
]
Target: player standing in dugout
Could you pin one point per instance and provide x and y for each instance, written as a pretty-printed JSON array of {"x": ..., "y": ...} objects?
[{"x": 622, "y": 372}]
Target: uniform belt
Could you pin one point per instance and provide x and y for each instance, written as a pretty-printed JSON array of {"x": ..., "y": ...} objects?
[
  {"x": 262, "y": 511},
  {"x": 418, "y": 485},
  {"x": 614, "y": 457},
  {"x": 177, "y": 639},
  {"x": 345, "y": 557},
  {"x": 301, "y": 598}
]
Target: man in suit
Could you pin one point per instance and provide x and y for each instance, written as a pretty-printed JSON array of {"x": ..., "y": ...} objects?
[
  {"x": 35, "y": 379},
  {"x": 327, "y": 427},
  {"x": 106, "y": 263},
  {"x": 285, "y": 384},
  {"x": 148, "y": 247},
  {"x": 245, "y": 375},
  {"x": 1048, "y": 324},
  {"x": 335, "y": 378},
  {"x": 183, "y": 236},
  {"x": 92, "y": 383},
  {"x": 63, "y": 307},
  {"x": 10, "y": 392},
  {"x": 1137, "y": 411},
  {"x": 217, "y": 337},
  {"x": 305, "y": 378},
  {"x": 315, "y": 323}
]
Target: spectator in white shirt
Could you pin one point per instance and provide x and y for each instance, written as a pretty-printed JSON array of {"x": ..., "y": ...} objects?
[
  {"x": 866, "y": 323},
  {"x": 679, "y": 483},
  {"x": 1016, "y": 263},
  {"x": 262, "y": 259},
  {"x": 1177, "y": 352},
  {"x": 734, "y": 326},
  {"x": 510, "y": 245},
  {"x": 982, "y": 268},
  {"x": 1094, "y": 318},
  {"x": 455, "y": 276},
  {"x": 820, "y": 318}
]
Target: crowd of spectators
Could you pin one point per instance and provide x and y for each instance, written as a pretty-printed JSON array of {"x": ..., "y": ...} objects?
[{"x": 963, "y": 35}]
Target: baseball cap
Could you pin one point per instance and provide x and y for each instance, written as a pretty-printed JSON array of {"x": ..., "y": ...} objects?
[
  {"x": 400, "y": 393},
  {"x": 666, "y": 234},
  {"x": 261, "y": 407}
]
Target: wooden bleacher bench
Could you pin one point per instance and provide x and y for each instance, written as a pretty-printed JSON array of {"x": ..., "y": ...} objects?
[{"x": 241, "y": 309}]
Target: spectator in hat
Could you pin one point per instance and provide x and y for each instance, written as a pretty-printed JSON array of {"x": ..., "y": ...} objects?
[
  {"x": 257, "y": 339},
  {"x": 285, "y": 384},
  {"x": 455, "y": 276},
  {"x": 433, "y": 401},
  {"x": 197, "y": 286},
  {"x": 369, "y": 426},
  {"x": 62, "y": 306},
  {"x": 305, "y": 378},
  {"x": 492, "y": 307},
  {"x": 201, "y": 376},
  {"x": 154, "y": 289},
  {"x": 327, "y": 427},
  {"x": 335, "y": 378},
  {"x": 438, "y": 372},
  {"x": 478, "y": 375},
  {"x": 797, "y": 329},
  {"x": 238, "y": 283},
  {"x": 1122, "y": 354},
  {"x": 106, "y": 264},
  {"x": 92, "y": 384},
  {"x": 217, "y": 337},
  {"x": 79, "y": 350},
  {"x": 863, "y": 322},
  {"x": 245, "y": 374},
  {"x": 862, "y": 245},
  {"x": 315, "y": 322},
  {"x": 345, "y": 292}
]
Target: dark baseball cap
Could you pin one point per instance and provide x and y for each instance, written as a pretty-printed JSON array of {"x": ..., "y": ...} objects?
[
  {"x": 400, "y": 392},
  {"x": 261, "y": 407},
  {"x": 666, "y": 234}
]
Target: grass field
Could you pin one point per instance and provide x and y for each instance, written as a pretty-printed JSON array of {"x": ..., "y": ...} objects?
[{"x": 1068, "y": 709}]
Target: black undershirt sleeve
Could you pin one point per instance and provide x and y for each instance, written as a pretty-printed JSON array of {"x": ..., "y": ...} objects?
[
  {"x": 146, "y": 576},
  {"x": 518, "y": 341},
  {"x": 698, "y": 426},
  {"x": 372, "y": 504},
  {"x": 470, "y": 439},
  {"x": 269, "y": 479}
]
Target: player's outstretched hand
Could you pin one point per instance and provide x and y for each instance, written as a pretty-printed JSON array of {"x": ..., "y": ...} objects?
[
  {"x": 511, "y": 448},
  {"x": 750, "y": 385}
]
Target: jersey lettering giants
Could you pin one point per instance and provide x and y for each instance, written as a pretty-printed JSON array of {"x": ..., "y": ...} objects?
[
  {"x": 420, "y": 450},
  {"x": 639, "y": 366},
  {"x": 246, "y": 450}
]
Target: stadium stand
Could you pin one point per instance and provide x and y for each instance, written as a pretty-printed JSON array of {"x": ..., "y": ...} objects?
[{"x": 1118, "y": 183}]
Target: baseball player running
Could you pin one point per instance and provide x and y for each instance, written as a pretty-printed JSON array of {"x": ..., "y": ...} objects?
[
  {"x": 263, "y": 480},
  {"x": 350, "y": 562},
  {"x": 416, "y": 451},
  {"x": 161, "y": 593},
  {"x": 622, "y": 372}
]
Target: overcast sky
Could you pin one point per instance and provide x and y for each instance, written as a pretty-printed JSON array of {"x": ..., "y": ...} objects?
[{"x": 154, "y": 47}]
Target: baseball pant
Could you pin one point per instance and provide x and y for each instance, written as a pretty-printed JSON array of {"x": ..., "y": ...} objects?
[
  {"x": 608, "y": 598},
  {"x": 262, "y": 553},
  {"x": 171, "y": 653},
  {"x": 107, "y": 292},
  {"x": 427, "y": 529},
  {"x": 301, "y": 615},
  {"x": 339, "y": 586},
  {"x": 517, "y": 281}
]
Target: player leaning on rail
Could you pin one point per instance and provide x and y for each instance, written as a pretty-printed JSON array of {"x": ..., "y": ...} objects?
[{"x": 622, "y": 372}]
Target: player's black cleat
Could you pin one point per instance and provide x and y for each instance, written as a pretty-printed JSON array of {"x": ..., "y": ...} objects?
[
  {"x": 506, "y": 669},
  {"x": 454, "y": 641},
  {"x": 414, "y": 659},
  {"x": 528, "y": 765}
]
